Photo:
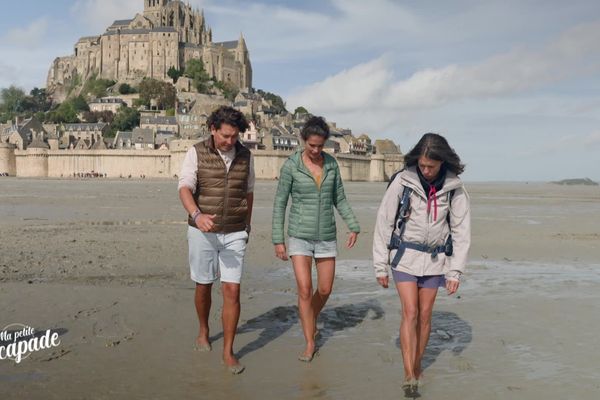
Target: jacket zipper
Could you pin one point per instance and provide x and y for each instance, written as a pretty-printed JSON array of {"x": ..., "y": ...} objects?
[
  {"x": 307, "y": 172},
  {"x": 226, "y": 200}
]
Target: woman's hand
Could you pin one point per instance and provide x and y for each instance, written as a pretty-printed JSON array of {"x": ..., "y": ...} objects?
[
  {"x": 280, "y": 251},
  {"x": 452, "y": 286},
  {"x": 351, "y": 239},
  {"x": 383, "y": 281}
]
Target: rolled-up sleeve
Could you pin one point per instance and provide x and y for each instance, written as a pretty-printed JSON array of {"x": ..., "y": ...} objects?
[{"x": 189, "y": 169}]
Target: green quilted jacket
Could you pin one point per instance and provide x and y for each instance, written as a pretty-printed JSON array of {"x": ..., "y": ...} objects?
[{"x": 311, "y": 215}]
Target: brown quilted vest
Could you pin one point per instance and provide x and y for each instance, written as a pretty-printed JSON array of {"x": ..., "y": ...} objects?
[{"x": 220, "y": 192}]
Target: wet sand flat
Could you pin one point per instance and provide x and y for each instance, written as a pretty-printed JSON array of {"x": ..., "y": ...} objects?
[{"x": 104, "y": 263}]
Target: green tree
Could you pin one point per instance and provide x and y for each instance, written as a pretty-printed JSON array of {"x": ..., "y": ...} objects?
[
  {"x": 11, "y": 102},
  {"x": 125, "y": 120},
  {"x": 276, "y": 101},
  {"x": 68, "y": 111},
  {"x": 228, "y": 88},
  {"x": 97, "y": 116},
  {"x": 73, "y": 83},
  {"x": 194, "y": 70},
  {"x": 94, "y": 87},
  {"x": 300, "y": 110},
  {"x": 65, "y": 113},
  {"x": 126, "y": 88},
  {"x": 163, "y": 93},
  {"x": 79, "y": 103},
  {"x": 40, "y": 99},
  {"x": 174, "y": 73},
  {"x": 14, "y": 102}
]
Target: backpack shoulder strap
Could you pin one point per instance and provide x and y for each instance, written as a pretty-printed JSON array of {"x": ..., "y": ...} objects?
[
  {"x": 400, "y": 218},
  {"x": 403, "y": 205},
  {"x": 394, "y": 177},
  {"x": 450, "y": 196}
]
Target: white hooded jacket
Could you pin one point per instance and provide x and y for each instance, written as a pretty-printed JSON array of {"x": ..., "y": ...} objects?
[{"x": 423, "y": 228}]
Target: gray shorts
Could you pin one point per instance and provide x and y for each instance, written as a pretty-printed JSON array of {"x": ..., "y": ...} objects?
[
  {"x": 216, "y": 255},
  {"x": 312, "y": 248},
  {"x": 427, "y": 281}
]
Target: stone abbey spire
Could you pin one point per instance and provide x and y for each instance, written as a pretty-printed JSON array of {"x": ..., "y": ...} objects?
[{"x": 168, "y": 33}]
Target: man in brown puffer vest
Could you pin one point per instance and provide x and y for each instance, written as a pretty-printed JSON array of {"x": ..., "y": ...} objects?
[{"x": 216, "y": 188}]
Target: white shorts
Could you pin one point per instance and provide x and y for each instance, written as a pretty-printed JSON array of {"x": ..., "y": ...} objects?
[
  {"x": 216, "y": 255},
  {"x": 312, "y": 248}
]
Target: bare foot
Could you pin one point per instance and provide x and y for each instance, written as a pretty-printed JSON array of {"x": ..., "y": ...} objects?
[
  {"x": 232, "y": 364},
  {"x": 309, "y": 352},
  {"x": 203, "y": 344}
]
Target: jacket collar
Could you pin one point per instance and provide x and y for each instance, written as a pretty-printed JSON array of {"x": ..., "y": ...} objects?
[
  {"x": 410, "y": 178},
  {"x": 211, "y": 145},
  {"x": 328, "y": 161}
]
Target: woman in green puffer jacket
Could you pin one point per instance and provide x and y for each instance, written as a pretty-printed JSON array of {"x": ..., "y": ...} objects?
[{"x": 313, "y": 179}]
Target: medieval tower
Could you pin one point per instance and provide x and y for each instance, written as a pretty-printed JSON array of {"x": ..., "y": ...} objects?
[{"x": 167, "y": 34}]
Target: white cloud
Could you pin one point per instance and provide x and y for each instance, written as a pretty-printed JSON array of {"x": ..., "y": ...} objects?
[
  {"x": 349, "y": 90},
  {"x": 371, "y": 85},
  {"x": 572, "y": 54},
  {"x": 567, "y": 144},
  {"x": 97, "y": 15},
  {"x": 276, "y": 32},
  {"x": 31, "y": 35}
]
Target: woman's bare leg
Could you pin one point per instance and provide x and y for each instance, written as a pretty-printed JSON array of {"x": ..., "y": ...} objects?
[
  {"x": 325, "y": 277},
  {"x": 302, "y": 269},
  {"x": 426, "y": 300},
  {"x": 409, "y": 298}
]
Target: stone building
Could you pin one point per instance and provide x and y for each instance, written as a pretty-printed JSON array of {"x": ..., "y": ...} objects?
[
  {"x": 111, "y": 104},
  {"x": 167, "y": 34},
  {"x": 193, "y": 110},
  {"x": 159, "y": 123},
  {"x": 21, "y": 133},
  {"x": 81, "y": 135}
]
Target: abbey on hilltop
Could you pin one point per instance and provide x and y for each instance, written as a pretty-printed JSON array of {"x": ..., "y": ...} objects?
[{"x": 168, "y": 34}]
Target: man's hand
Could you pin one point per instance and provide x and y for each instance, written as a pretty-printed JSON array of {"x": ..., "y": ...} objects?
[
  {"x": 281, "y": 252},
  {"x": 351, "y": 239},
  {"x": 383, "y": 281},
  {"x": 205, "y": 222}
]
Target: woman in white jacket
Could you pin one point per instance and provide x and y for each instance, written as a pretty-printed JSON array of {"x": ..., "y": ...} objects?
[{"x": 426, "y": 247}]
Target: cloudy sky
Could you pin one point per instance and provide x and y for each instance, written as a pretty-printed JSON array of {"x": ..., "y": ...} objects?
[{"x": 514, "y": 84}]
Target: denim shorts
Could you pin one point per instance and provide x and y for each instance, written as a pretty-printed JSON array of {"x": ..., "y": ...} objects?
[
  {"x": 427, "y": 281},
  {"x": 216, "y": 255},
  {"x": 312, "y": 248}
]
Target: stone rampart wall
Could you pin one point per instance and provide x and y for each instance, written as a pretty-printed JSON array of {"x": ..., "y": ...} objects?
[{"x": 167, "y": 163}]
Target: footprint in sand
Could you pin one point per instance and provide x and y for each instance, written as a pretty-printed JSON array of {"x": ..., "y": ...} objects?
[
  {"x": 113, "y": 328},
  {"x": 462, "y": 364}
]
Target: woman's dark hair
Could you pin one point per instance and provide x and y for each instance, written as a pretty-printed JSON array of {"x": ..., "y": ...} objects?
[
  {"x": 315, "y": 126},
  {"x": 435, "y": 147},
  {"x": 227, "y": 115}
]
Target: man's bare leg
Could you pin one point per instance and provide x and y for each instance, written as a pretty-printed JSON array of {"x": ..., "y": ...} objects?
[
  {"x": 203, "y": 301},
  {"x": 230, "y": 317}
]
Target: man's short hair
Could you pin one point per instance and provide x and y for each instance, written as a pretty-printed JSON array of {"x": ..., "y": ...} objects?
[{"x": 227, "y": 115}]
